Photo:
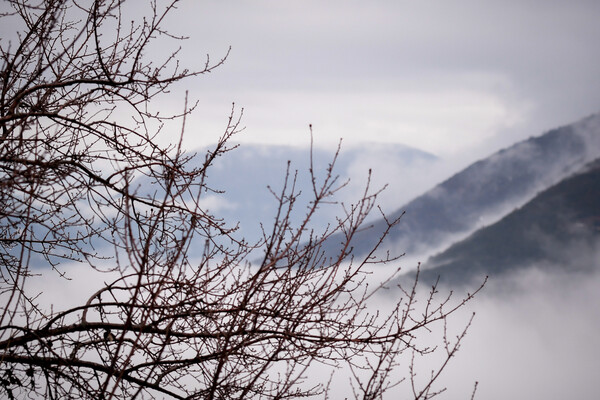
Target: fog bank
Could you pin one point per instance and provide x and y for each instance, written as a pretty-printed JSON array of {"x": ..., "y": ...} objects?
[{"x": 534, "y": 335}]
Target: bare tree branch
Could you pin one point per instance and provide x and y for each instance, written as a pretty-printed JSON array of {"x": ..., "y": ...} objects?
[{"x": 184, "y": 310}]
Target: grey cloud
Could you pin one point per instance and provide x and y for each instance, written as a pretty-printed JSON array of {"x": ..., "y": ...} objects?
[{"x": 540, "y": 58}]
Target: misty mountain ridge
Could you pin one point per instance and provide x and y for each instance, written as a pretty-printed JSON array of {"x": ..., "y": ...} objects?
[
  {"x": 245, "y": 174},
  {"x": 559, "y": 229},
  {"x": 484, "y": 192}
]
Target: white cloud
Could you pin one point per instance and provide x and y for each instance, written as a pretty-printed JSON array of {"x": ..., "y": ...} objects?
[
  {"x": 216, "y": 203},
  {"x": 534, "y": 337}
]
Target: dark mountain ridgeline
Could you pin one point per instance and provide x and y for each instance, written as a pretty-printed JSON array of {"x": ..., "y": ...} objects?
[
  {"x": 485, "y": 191},
  {"x": 558, "y": 229}
]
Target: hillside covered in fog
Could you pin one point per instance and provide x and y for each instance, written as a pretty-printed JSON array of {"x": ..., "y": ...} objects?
[
  {"x": 533, "y": 203},
  {"x": 485, "y": 191},
  {"x": 559, "y": 229}
]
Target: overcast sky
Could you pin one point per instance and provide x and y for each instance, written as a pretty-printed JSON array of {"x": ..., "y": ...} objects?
[{"x": 447, "y": 77}]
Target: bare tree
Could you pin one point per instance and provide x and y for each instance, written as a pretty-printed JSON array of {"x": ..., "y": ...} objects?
[{"x": 83, "y": 179}]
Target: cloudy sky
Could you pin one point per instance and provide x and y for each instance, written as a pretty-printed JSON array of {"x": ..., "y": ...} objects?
[{"x": 448, "y": 77}]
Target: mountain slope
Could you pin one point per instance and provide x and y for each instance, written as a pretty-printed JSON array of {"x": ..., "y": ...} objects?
[
  {"x": 485, "y": 191},
  {"x": 559, "y": 228}
]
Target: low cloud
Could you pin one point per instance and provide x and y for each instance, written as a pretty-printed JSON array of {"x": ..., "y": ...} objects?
[{"x": 534, "y": 335}]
